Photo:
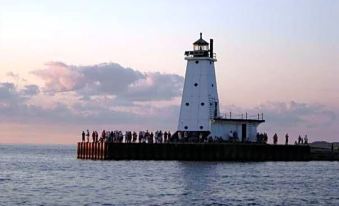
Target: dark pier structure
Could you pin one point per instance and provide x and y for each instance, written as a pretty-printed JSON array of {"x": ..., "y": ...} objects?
[
  {"x": 193, "y": 151},
  {"x": 200, "y": 120}
]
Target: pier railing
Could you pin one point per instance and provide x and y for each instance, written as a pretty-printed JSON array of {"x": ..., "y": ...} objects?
[{"x": 244, "y": 116}]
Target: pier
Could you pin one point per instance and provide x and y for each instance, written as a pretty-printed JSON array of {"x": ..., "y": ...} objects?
[
  {"x": 193, "y": 151},
  {"x": 203, "y": 132}
]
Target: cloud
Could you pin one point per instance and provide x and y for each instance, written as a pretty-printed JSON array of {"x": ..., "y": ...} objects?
[
  {"x": 298, "y": 114},
  {"x": 58, "y": 77},
  {"x": 155, "y": 86},
  {"x": 31, "y": 90},
  {"x": 103, "y": 94},
  {"x": 296, "y": 118},
  {"x": 12, "y": 75},
  {"x": 17, "y": 109},
  {"x": 7, "y": 91},
  {"x": 110, "y": 79},
  {"x": 10, "y": 94},
  {"x": 109, "y": 94}
]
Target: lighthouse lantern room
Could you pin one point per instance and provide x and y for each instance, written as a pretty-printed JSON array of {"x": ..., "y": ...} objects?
[{"x": 199, "y": 112}]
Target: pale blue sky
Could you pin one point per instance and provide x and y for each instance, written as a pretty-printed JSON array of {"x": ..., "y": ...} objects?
[
  {"x": 46, "y": 28},
  {"x": 268, "y": 51}
]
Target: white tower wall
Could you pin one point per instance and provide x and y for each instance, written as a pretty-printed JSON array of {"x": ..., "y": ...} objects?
[{"x": 199, "y": 103}]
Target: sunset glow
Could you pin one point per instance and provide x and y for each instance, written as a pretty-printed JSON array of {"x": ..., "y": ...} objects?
[{"x": 67, "y": 66}]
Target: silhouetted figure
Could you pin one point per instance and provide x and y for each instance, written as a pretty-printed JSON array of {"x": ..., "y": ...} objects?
[
  {"x": 165, "y": 136},
  {"x": 87, "y": 135},
  {"x": 128, "y": 137},
  {"x": 103, "y": 136},
  {"x": 179, "y": 136},
  {"x": 83, "y": 136},
  {"x": 200, "y": 137},
  {"x": 230, "y": 135},
  {"x": 160, "y": 136},
  {"x": 93, "y": 136},
  {"x": 275, "y": 138},
  {"x": 265, "y": 137},
  {"x": 96, "y": 136},
  {"x": 235, "y": 136},
  {"x": 150, "y": 140},
  {"x": 135, "y": 136},
  {"x": 305, "y": 140},
  {"x": 185, "y": 136},
  {"x": 286, "y": 139}
]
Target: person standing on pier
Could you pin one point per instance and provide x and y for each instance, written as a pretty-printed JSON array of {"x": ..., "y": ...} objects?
[
  {"x": 83, "y": 136},
  {"x": 275, "y": 138},
  {"x": 134, "y": 137},
  {"x": 305, "y": 140},
  {"x": 185, "y": 136},
  {"x": 165, "y": 136},
  {"x": 96, "y": 136},
  {"x": 93, "y": 136},
  {"x": 230, "y": 135},
  {"x": 151, "y": 137},
  {"x": 265, "y": 137},
  {"x": 235, "y": 136},
  {"x": 179, "y": 136},
  {"x": 200, "y": 137},
  {"x": 103, "y": 136},
  {"x": 87, "y": 135},
  {"x": 286, "y": 139}
]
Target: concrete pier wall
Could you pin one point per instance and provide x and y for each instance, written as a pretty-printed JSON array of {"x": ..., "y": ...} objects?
[{"x": 193, "y": 152}]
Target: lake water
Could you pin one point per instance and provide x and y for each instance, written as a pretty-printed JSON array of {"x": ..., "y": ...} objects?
[{"x": 51, "y": 175}]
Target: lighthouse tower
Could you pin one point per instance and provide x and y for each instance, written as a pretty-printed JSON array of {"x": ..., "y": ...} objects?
[
  {"x": 199, "y": 112},
  {"x": 199, "y": 103}
]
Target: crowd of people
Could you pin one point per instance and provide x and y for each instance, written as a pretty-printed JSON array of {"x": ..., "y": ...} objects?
[
  {"x": 300, "y": 139},
  {"x": 262, "y": 138},
  {"x": 117, "y": 136},
  {"x": 159, "y": 136}
]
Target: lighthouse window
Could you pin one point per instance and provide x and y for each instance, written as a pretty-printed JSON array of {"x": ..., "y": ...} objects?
[
  {"x": 187, "y": 104},
  {"x": 186, "y": 127},
  {"x": 195, "y": 84},
  {"x": 196, "y": 62},
  {"x": 202, "y": 104},
  {"x": 212, "y": 85},
  {"x": 201, "y": 127}
]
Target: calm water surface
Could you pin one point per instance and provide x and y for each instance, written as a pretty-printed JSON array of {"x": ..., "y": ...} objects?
[{"x": 51, "y": 175}]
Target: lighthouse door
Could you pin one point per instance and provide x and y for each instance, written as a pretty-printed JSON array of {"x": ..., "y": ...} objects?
[{"x": 243, "y": 132}]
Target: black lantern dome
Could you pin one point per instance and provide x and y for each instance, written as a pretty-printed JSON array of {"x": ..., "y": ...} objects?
[{"x": 201, "y": 48}]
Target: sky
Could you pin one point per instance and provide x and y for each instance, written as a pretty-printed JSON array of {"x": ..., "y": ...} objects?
[{"x": 67, "y": 66}]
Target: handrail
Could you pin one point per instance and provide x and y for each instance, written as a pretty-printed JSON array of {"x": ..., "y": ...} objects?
[{"x": 246, "y": 116}]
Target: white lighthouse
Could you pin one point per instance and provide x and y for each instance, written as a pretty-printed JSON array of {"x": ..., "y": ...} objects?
[{"x": 199, "y": 112}]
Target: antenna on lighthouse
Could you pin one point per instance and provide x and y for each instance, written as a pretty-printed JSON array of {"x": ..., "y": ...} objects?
[{"x": 211, "y": 48}]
